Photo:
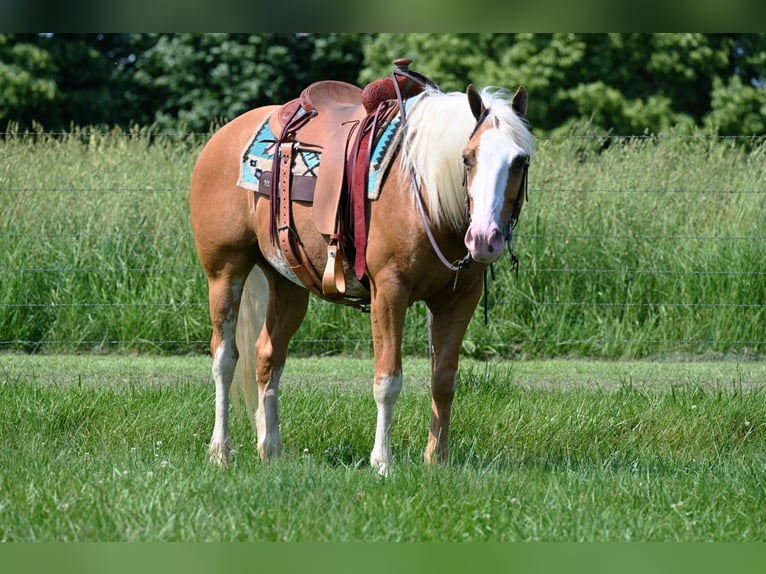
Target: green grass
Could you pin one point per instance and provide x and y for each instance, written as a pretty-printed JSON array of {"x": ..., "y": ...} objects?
[
  {"x": 653, "y": 246},
  {"x": 114, "y": 448}
]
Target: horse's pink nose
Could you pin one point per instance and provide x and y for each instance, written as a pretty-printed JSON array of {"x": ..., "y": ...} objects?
[{"x": 484, "y": 245}]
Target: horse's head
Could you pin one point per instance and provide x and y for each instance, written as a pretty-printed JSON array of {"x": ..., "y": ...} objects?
[{"x": 495, "y": 159}]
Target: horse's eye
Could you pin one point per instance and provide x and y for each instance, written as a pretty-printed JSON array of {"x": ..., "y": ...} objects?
[
  {"x": 520, "y": 162},
  {"x": 467, "y": 163}
]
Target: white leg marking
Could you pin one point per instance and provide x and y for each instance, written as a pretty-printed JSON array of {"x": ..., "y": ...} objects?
[
  {"x": 224, "y": 363},
  {"x": 267, "y": 418},
  {"x": 386, "y": 392}
]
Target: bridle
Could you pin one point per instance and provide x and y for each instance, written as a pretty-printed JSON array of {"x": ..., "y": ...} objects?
[
  {"x": 460, "y": 264},
  {"x": 457, "y": 265}
]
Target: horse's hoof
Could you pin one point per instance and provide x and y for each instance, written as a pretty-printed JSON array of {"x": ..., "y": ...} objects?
[
  {"x": 270, "y": 450},
  {"x": 384, "y": 469},
  {"x": 219, "y": 456}
]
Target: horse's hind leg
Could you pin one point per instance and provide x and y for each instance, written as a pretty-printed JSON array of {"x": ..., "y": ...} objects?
[
  {"x": 287, "y": 308},
  {"x": 225, "y": 292}
]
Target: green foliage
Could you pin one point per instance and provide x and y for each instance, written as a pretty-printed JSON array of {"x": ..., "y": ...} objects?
[
  {"x": 737, "y": 108},
  {"x": 26, "y": 82},
  {"x": 175, "y": 81},
  {"x": 62, "y": 81},
  {"x": 240, "y": 71},
  {"x": 619, "y": 83},
  {"x": 451, "y": 60}
]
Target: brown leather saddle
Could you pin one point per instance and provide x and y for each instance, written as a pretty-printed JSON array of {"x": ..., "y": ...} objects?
[
  {"x": 340, "y": 121},
  {"x": 333, "y": 110}
]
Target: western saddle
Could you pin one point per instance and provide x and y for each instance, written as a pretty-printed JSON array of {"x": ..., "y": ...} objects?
[{"x": 342, "y": 122}]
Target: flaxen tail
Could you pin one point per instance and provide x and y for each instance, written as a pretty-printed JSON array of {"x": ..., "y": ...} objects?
[{"x": 252, "y": 313}]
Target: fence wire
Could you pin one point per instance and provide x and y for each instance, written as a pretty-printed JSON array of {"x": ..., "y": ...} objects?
[{"x": 9, "y": 343}]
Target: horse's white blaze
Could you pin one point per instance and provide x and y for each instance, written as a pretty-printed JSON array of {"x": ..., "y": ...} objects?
[
  {"x": 267, "y": 418},
  {"x": 386, "y": 392},
  {"x": 486, "y": 233}
]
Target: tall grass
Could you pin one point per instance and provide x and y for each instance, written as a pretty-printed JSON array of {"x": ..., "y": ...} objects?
[
  {"x": 650, "y": 246},
  {"x": 661, "y": 239},
  {"x": 96, "y": 242},
  {"x": 111, "y": 449}
]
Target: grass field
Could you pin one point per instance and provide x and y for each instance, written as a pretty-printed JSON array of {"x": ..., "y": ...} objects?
[
  {"x": 651, "y": 246},
  {"x": 114, "y": 448}
]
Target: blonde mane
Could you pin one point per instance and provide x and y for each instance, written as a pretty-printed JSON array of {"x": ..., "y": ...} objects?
[{"x": 438, "y": 128}]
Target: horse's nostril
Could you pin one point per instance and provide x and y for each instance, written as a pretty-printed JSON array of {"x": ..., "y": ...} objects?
[{"x": 490, "y": 249}]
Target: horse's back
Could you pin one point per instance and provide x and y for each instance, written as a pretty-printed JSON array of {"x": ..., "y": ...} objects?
[
  {"x": 221, "y": 154},
  {"x": 219, "y": 208}
]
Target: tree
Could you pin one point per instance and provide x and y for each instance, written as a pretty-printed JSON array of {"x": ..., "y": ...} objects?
[
  {"x": 622, "y": 83},
  {"x": 738, "y": 108},
  {"x": 451, "y": 60},
  {"x": 195, "y": 80},
  {"x": 27, "y": 79},
  {"x": 61, "y": 80},
  {"x": 90, "y": 74},
  {"x": 170, "y": 81},
  {"x": 618, "y": 83}
]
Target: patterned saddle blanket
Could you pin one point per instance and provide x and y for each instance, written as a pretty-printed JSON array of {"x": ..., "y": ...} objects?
[{"x": 258, "y": 157}]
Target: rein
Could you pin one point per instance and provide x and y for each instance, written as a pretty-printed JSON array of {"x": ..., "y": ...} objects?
[{"x": 457, "y": 265}]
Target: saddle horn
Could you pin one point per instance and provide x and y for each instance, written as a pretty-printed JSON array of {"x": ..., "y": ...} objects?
[{"x": 408, "y": 84}]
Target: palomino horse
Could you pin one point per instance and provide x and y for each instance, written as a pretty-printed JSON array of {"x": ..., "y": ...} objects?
[{"x": 453, "y": 192}]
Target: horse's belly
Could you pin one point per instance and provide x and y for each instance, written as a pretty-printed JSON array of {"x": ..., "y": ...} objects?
[
  {"x": 313, "y": 242},
  {"x": 278, "y": 261}
]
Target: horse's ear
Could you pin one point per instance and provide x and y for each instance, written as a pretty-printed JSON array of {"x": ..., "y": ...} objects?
[
  {"x": 474, "y": 99},
  {"x": 519, "y": 101}
]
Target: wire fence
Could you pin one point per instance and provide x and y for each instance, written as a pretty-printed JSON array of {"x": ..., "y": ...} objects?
[{"x": 666, "y": 300}]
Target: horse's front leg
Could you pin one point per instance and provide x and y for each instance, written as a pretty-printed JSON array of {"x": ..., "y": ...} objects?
[
  {"x": 387, "y": 313},
  {"x": 448, "y": 323}
]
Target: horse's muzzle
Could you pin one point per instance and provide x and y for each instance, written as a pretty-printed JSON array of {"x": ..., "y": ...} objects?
[{"x": 485, "y": 245}]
